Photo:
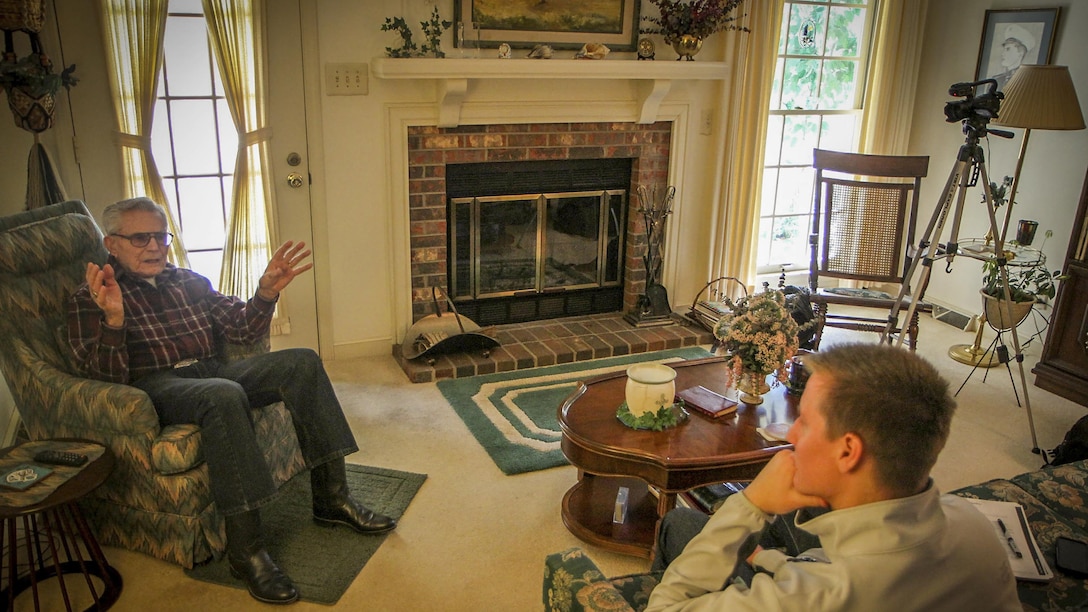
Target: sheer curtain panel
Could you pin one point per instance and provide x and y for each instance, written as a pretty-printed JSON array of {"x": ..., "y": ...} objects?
[{"x": 133, "y": 32}]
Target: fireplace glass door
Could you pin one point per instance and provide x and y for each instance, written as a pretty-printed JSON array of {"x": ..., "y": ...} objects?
[{"x": 515, "y": 245}]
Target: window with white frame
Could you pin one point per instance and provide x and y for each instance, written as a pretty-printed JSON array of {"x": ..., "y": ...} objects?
[
  {"x": 193, "y": 139},
  {"x": 816, "y": 102}
]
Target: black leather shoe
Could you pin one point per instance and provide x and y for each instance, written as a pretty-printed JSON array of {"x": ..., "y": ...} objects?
[
  {"x": 359, "y": 518},
  {"x": 264, "y": 579}
]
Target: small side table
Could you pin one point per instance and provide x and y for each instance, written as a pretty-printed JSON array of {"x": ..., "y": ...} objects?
[{"x": 51, "y": 539}]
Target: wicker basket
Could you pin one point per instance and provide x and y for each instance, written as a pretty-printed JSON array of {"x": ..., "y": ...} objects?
[{"x": 25, "y": 15}]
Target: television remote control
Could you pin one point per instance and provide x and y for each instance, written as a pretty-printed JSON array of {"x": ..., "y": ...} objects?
[{"x": 60, "y": 458}]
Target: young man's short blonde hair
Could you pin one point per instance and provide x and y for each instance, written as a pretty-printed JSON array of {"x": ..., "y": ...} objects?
[{"x": 895, "y": 401}]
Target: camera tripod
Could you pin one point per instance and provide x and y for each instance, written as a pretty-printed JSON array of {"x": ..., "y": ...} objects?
[{"x": 975, "y": 113}]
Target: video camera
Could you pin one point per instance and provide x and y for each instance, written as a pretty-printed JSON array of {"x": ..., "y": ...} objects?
[{"x": 975, "y": 108}]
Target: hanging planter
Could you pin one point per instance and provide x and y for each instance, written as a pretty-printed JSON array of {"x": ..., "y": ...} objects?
[
  {"x": 31, "y": 87},
  {"x": 33, "y": 114},
  {"x": 26, "y": 15}
]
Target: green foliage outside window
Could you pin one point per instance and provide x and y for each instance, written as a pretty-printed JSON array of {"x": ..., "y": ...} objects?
[{"x": 816, "y": 99}]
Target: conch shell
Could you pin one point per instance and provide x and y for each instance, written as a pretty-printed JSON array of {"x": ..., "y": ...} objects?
[
  {"x": 541, "y": 52},
  {"x": 592, "y": 51}
]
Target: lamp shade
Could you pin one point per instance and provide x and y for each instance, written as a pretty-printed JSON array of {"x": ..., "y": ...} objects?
[{"x": 1042, "y": 98}]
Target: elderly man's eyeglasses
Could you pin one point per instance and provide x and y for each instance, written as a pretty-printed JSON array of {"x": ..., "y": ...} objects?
[{"x": 142, "y": 239}]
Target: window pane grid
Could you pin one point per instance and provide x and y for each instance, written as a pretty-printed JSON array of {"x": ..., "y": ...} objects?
[
  {"x": 816, "y": 101},
  {"x": 193, "y": 138}
]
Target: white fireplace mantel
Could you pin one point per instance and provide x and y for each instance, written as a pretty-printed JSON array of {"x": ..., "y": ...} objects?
[{"x": 654, "y": 78}]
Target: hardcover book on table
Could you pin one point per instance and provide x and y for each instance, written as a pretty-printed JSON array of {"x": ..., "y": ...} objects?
[{"x": 707, "y": 402}]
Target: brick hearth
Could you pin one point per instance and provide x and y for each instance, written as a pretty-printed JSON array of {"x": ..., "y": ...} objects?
[
  {"x": 541, "y": 343},
  {"x": 431, "y": 148}
]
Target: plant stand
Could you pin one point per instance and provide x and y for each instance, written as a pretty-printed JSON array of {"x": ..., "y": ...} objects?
[{"x": 983, "y": 250}]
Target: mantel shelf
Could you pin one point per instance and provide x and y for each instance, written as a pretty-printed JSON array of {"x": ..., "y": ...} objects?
[{"x": 654, "y": 77}]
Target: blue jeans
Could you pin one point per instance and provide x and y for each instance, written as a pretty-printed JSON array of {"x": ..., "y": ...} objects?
[
  {"x": 217, "y": 396},
  {"x": 680, "y": 525}
]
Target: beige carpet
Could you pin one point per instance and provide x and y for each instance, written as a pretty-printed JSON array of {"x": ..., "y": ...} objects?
[{"x": 474, "y": 539}]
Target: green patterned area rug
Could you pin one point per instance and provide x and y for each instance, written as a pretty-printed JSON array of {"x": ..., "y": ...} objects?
[
  {"x": 322, "y": 561},
  {"x": 513, "y": 414}
]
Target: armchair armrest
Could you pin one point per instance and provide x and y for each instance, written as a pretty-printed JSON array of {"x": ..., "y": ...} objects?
[
  {"x": 79, "y": 407},
  {"x": 573, "y": 583}
]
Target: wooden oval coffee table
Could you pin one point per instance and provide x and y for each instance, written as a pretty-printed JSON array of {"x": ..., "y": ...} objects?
[{"x": 699, "y": 451}]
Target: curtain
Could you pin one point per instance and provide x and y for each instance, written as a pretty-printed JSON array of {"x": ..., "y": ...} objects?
[
  {"x": 133, "y": 32},
  {"x": 893, "y": 77},
  {"x": 745, "y": 95},
  {"x": 236, "y": 31}
]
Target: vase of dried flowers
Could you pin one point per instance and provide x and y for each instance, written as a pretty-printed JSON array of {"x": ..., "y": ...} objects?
[
  {"x": 752, "y": 386},
  {"x": 758, "y": 335},
  {"x": 686, "y": 46},
  {"x": 685, "y": 24}
]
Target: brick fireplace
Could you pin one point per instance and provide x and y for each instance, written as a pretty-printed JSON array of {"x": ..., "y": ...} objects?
[{"x": 430, "y": 149}]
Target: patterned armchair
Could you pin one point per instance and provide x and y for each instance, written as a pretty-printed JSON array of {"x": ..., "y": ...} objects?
[{"x": 157, "y": 500}]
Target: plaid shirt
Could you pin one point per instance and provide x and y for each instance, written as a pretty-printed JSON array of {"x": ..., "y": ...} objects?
[{"x": 180, "y": 317}]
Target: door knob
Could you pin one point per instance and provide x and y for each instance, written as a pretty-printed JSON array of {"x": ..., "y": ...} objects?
[{"x": 294, "y": 180}]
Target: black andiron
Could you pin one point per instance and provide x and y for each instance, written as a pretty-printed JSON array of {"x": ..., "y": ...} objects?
[{"x": 652, "y": 307}]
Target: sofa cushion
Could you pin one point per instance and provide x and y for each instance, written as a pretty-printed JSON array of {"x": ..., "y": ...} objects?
[{"x": 1054, "y": 502}]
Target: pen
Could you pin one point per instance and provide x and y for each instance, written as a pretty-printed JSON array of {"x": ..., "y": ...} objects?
[{"x": 1008, "y": 538}]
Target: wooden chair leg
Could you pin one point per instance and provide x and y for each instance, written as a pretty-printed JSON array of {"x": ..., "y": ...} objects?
[{"x": 821, "y": 318}]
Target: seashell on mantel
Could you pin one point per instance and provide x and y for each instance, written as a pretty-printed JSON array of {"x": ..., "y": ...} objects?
[
  {"x": 540, "y": 52},
  {"x": 592, "y": 51}
]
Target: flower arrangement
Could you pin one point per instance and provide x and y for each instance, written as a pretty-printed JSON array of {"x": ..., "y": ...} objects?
[
  {"x": 698, "y": 18},
  {"x": 759, "y": 334}
]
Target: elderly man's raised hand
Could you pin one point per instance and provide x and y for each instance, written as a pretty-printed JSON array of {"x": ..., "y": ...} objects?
[
  {"x": 106, "y": 293},
  {"x": 283, "y": 268}
]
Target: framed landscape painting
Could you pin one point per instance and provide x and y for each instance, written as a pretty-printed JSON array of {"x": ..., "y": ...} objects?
[
  {"x": 563, "y": 24},
  {"x": 1014, "y": 37}
]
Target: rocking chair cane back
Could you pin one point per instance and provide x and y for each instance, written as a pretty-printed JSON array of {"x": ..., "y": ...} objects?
[{"x": 863, "y": 223}]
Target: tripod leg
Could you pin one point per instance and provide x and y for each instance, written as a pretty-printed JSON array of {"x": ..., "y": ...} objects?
[
  {"x": 954, "y": 190},
  {"x": 999, "y": 252}
]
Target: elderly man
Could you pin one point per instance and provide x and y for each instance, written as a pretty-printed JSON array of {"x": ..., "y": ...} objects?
[
  {"x": 141, "y": 321},
  {"x": 872, "y": 421}
]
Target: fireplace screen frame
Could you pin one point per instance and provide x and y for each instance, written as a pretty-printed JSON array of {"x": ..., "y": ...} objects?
[{"x": 610, "y": 244}]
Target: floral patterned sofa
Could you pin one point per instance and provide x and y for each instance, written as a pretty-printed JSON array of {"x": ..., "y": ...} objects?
[
  {"x": 1055, "y": 499},
  {"x": 157, "y": 500}
]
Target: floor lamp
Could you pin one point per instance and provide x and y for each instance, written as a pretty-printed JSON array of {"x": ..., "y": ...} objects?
[{"x": 1036, "y": 98}]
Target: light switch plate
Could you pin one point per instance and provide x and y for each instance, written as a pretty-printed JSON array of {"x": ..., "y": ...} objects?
[{"x": 347, "y": 79}]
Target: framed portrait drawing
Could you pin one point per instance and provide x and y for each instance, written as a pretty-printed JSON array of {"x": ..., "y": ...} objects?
[
  {"x": 523, "y": 24},
  {"x": 1014, "y": 37}
]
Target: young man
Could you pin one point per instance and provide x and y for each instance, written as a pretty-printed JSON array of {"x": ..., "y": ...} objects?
[
  {"x": 872, "y": 421},
  {"x": 141, "y": 321}
]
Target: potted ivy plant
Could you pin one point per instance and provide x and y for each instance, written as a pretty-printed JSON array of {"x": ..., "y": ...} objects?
[
  {"x": 1026, "y": 286},
  {"x": 31, "y": 87}
]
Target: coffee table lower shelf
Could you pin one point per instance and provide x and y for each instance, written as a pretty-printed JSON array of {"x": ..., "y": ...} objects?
[{"x": 588, "y": 510}]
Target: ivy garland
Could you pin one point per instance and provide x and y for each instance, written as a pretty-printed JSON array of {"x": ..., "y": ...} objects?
[{"x": 664, "y": 418}]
